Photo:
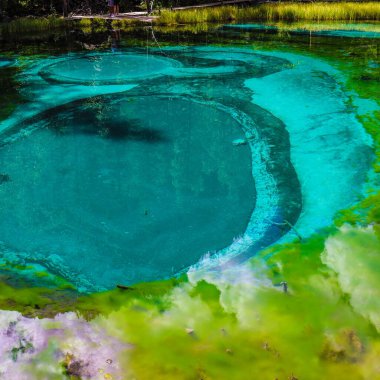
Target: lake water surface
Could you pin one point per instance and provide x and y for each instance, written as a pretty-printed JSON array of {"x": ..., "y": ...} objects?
[{"x": 129, "y": 156}]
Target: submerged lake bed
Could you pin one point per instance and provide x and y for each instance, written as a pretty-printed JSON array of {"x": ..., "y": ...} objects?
[{"x": 212, "y": 192}]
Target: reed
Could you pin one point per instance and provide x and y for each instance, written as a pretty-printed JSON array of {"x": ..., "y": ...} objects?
[
  {"x": 30, "y": 25},
  {"x": 347, "y": 11}
]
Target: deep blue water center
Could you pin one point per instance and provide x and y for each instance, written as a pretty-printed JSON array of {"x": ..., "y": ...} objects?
[
  {"x": 128, "y": 189},
  {"x": 130, "y": 167}
]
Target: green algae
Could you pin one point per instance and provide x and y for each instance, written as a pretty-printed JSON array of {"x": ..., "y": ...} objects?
[
  {"x": 367, "y": 211},
  {"x": 310, "y": 332},
  {"x": 150, "y": 294},
  {"x": 226, "y": 332}
]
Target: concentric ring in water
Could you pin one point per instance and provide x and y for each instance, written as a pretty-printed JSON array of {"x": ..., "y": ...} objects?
[
  {"x": 126, "y": 189},
  {"x": 108, "y": 68}
]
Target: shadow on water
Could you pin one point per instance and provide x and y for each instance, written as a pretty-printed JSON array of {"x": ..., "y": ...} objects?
[
  {"x": 113, "y": 129},
  {"x": 9, "y": 96}
]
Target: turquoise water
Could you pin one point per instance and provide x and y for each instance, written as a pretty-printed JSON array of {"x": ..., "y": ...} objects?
[
  {"x": 133, "y": 165},
  {"x": 6, "y": 62},
  {"x": 140, "y": 179},
  {"x": 351, "y": 31}
]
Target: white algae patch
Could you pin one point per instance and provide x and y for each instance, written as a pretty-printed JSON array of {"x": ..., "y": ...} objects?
[
  {"x": 35, "y": 349},
  {"x": 354, "y": 254}
]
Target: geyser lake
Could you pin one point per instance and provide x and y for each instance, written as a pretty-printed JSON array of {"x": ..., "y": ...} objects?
[{"x": 126, "y": 164}]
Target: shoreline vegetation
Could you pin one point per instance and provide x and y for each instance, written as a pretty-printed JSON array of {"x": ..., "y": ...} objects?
[
  {"x": 269, "y": 12},
  {"x": 345, "y": 11}
]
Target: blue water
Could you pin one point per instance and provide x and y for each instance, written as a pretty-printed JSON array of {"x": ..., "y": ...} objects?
[
  {"x": 126, "y": 167},
  {"x": 132, "y": 194},
  {"x": 6, "y": 62},
  {"x": 108, "y": 68}
]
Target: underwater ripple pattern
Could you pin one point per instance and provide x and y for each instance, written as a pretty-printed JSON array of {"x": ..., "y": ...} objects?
[{"x": 141, "y": 184}]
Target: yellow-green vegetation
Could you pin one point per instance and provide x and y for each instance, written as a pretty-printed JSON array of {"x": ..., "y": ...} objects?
[
  {"x": 276, "y": 12},
  {"x": 368, "y": 210},
  {"x": 147, "y": 295},
  {"x": 366, "y": 84},
  {"x": 323, "y": 327},
  {"x": 28, "y": 24},
  {"x": 41, "y": 294},
  {"x": 89, "y": 25},
  {"x": 36, "y": 302}
]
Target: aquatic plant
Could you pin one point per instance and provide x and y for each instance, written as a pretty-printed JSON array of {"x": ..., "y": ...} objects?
[
  {"x": 224, "y": 326},
  {"x": 275, "y": 12}
]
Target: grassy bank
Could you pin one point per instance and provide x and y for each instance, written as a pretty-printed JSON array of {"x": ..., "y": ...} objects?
[
  {"x": 27, "y": 25},
  {"x": 286, "y": 12},
  {"x": 276, "y": 12}
]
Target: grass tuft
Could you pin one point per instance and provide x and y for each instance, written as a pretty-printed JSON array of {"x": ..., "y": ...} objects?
[
  {"x": 29, "y": 24},
  {"x": 276, "y": 12}
]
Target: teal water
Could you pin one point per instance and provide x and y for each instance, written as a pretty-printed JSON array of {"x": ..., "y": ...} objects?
[
  {"x": 352, "y": 30},
  {"x": 142, "y": 179},
  {"x": 132, "y": 165},
  {"x": 5, "y": 62},
  {"x": 108, "y": 68}
]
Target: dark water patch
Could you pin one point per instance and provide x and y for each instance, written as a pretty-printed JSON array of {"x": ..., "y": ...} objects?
[
  {"x": 10, "y": 96},
  {"x": 121, "y": 211},
  {"x": 86, "y": 121},
  {"x": 4, "y": 178},
  {"x": 6, "y": 62}
]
